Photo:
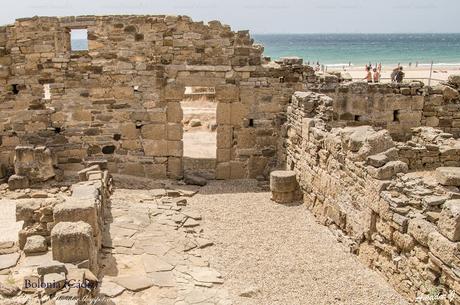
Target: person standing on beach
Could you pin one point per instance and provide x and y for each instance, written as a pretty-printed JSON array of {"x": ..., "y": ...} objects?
[
  {"x": 368, "y": 75},
  {"x": 400, "y": 75},
  {"x": 376, "y": 75},
  {"x": 394, "y": 73}
]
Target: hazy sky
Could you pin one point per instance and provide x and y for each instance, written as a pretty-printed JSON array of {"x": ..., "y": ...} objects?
[{"x": 268, "y": 16}]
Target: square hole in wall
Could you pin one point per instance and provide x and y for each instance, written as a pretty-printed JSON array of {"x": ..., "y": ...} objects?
[{"x": 79, "y": 39}]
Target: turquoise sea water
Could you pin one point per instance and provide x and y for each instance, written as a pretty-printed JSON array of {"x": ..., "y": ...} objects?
[{"x": 359, "y": 49}]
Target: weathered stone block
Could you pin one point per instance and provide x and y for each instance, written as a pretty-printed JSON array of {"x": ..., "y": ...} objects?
[
  {"x": 223, "y": 171},
  {"x": 449, "y": 176},
  {"x": 174, "y": 112},
  {"x": 175, "y": 148},
  {"x": 35, "y": 244},
  {"x": 224, "y": 136},
  {"x": 449, "y": 220},
  {"x": 72, "y": 242},
  {"x": 156, "y": 148},
  {"x": 174, "y": 132},
  {"x": 16, "y": 182},
  {"x": 74, "y": 210},
  {"x": 25, "y": 210},
  {"x": 154, "y": 131},
  {"x": 420, "y": 229},
  {"x": 175, "y": 167}
]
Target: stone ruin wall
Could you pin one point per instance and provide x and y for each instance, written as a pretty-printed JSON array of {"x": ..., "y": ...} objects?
[
  {"x": 360, "y": 182},
  {"x": 120, "y": 99},
  {"x": 395, "y": 107}
]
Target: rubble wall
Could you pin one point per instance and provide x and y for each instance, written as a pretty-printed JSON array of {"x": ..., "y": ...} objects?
[
  {"x": 397, "y": 220},
  {"x": 120, "y": 99}
]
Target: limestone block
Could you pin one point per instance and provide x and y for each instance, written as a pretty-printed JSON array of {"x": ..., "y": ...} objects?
[
  {"x": 174, "y": 112},
  {"x": 129, "y": 131},
  {"x": 227, "y": 92},
  {"x": 223, "y": 155},
  {"x": 420, "y": 229},
  {"x": 449, "y": 220},
  {"x": 155, "y": 170},
  {"x": 449, "y": 176},
  {"x": 444, "y": 249},
  {"x": 156, "y": 148},
  {"x": 388, "y": 170},
  {"x": 154, "y": 131},
  {"x": 86, "y": 190},
  {"x": 16, "y": 182},
  {"x": 175, "y": 148},
  {"x": 82, "y": 175},
  {"x": 174, "y": 132},
  {"x": 82, "y": 115},
  {"x": 25, "y": 210},
  {"x": 175, "y": 167},
  {"x": 224, "y": 136},
  {"x": 238, "y": 111},
  {"x": 223, "y": 171},
  {"x": 223, "y": 113},
  {"x": 72, "y": 242},
  {"x": 133, "y": 169},
  {"x": 35, "y": 163},
  {"x": 377, "y": 160},
  {"x": 74, "y": 210},
  {"x": 35, "y": 244},
  {"x": 238, "y": 170}
]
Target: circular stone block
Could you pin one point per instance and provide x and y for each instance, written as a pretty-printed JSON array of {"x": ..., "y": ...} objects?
[{"x": 283, "y": 181}]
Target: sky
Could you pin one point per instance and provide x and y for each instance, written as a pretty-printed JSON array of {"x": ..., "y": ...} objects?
[{"x": 268, "y": 16}]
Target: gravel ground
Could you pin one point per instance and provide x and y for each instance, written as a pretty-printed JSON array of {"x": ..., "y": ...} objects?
[{"x": 279, "y": 254}]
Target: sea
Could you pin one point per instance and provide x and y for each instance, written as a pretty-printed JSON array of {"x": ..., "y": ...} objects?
[
  {"x": 361, "y": 49},
  {"x": 357, "y": 49}
]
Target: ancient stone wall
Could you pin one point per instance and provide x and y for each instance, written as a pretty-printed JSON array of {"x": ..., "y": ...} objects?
[
  {"x": 120, "y": 99},
  {"x": 395, "y": 107},
  {"x": 356, "y": 180}
]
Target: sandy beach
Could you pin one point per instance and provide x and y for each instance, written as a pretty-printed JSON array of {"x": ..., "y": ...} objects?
[{"x": 440, "y": 73}]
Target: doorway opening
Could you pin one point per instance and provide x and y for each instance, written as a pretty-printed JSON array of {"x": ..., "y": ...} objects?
[{"x": 200, "y": 130}]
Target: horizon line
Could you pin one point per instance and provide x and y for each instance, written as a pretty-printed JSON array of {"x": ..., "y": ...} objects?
[{"x": 347, "y": 33}]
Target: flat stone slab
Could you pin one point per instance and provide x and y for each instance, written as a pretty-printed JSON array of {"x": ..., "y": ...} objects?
[
  {"x": 163, "y": 279},
  {"x": 449, "y": 176},
  {"x": 153, "y": 263},
  {"x": 205, "y": 274},
  {"x": 8, "y": 260},
  {"x": 134, "y": 282},
  {"x": 111, "y": 289}
]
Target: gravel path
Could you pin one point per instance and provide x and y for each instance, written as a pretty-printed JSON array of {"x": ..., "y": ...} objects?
[{"x": 281, "y": 252}]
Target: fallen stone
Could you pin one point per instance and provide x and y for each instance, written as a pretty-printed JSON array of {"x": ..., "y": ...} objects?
[
  {"x": 16, "y": 182},
  {"x": 51, "y": 268},
  {"x": 54, "y": 282},
  {"x": 134, "y": 282},
  {"x": 35, "y": 244},
  {"x": 283, "y": 181},
  {"x": 448, "y": 176},
  {"x": 192, "y": 214},
  {"x": 194, "y": 179},
  {"x": 195, "y": 123}
]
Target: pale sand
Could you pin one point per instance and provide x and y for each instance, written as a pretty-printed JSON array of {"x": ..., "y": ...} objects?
[{"x": 440, "y": 73}]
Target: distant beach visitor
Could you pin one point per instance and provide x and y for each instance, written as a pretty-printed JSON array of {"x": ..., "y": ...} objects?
[
  {"x": 376, "y": 75},
  {"x": 397, "y": 75},
  {"x": 368, "y": 75}
]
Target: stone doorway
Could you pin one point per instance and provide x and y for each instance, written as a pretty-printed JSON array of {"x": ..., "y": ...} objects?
[{"x": 200, "y": 130}]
